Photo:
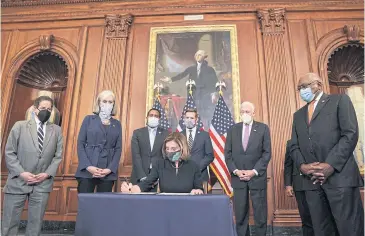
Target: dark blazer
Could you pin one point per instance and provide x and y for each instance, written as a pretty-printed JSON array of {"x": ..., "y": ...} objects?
[
  {"x": 293, "y": 177},
  {"x": 94, "y": 143},
  {"x": 202, "y": 151},
  {"x": 256, "y": 156},
  {"x": 142, "y": 156},
  {"x": 330, "y": 137},
  {"x": 205, "y": 83},
  {"x": 187, "y": 178}
]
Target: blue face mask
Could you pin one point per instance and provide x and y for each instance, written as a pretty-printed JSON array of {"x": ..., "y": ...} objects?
[{"x": 306, "y": 94}]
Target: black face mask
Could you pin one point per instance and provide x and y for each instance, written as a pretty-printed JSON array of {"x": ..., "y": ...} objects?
[{"x": 44, "y": 115}]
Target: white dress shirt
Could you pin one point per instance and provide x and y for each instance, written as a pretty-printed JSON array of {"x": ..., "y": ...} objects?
[
  {"x": 152, "y": 136},
  {"x": 198, "y": 68},
  {"x": 317, "y": 100}
]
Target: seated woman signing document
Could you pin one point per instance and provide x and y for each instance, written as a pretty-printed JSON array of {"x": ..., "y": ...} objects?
[{"x": 175, "y": 173}]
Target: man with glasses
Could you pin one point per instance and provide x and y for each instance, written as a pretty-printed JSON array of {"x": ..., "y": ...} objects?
[
  {"x": 32, "y": 154},
  {"x": 324, "y": 136}
]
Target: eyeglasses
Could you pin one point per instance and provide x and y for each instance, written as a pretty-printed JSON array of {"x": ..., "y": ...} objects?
[
  {"x": 42, "y": 108},
  {"x": 304, "y": 86}
]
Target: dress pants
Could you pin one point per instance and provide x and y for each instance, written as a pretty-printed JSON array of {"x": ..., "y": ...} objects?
[
  {"x": 86, "y": 185},
  {"x": 241, "y": 210},
  {"x": 341, "y": 205},
  {"x": 307, "y": 227},
  {"x": 12, "y": 210}
]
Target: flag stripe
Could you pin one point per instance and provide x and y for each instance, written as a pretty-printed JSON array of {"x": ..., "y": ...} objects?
[
  {"x": 220, "y": 179},
  {"x": 221, "y": 122},
  {"x": 219, "y": 157}
]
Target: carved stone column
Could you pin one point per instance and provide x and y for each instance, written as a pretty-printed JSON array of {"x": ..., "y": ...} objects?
[
  {"x": 117, "y": 29},
  {"x": 272, "y": 24}
]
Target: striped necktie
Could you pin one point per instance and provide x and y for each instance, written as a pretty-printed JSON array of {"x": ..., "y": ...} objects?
[{"x": 40, "y": 137}]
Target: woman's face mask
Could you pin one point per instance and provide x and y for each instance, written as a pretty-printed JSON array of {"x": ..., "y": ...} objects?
[
  {"x": 106, "y": 109},
  {"x": 173, "y": 156}
]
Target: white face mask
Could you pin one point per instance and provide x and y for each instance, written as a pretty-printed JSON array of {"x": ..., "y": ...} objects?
[
  {"x": 105, "y": 110},
  {"x": 190, "y": 123},
  {"x": 152, "y": 122},
  {"x": 246, "y": 118}
]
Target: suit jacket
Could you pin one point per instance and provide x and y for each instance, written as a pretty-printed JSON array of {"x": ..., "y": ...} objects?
[
  {"x": 22, "y": 155},
  {"x": 256, "y": 156},
  {"x": 201, "y": 152},
  {"x": 94, "y": 142},
  {"x": 205, "y": 82},
  {"x": 330, "y": 137},
  {"x": 142, "y": 156},
  {"x": 293, "y": 177}
]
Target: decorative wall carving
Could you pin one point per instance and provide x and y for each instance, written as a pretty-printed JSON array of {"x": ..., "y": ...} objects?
[
  {"x": 346, "y": 66},
  {"x": 272, "y": 21},
  {"x": 352, "y": 32},
  {"x": 117, "y": 26},
  {"x": 45, "y": 41},
  {"x": 46, "y": 71}
]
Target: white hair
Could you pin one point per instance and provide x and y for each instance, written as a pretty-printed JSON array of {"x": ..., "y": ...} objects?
[
  {"x": 102, "y": 95},
  {"x": 248, "y": 104}
]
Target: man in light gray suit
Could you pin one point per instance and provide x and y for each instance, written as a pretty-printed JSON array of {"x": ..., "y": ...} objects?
[{"x": 32, "y": 154}]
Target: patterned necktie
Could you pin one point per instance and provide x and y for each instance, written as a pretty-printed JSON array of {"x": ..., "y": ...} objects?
[
  {"x": 190, "y": 141},
  {"x": 40, "y": 137},
  {"x": 246, "y": 136},
  {"x": 310, "y": 110}
]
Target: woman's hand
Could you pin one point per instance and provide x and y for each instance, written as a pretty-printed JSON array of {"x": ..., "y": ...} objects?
[
  {"x": 126, "y": 187},
  {"x": 135, "y": 189},
  {"x": 196, "y": 192},
  {"x": 96, "y": 172}
]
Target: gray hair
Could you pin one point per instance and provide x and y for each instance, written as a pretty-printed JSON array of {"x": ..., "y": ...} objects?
[
  {"x": 102, "y": 95},
  {"x": 249, "y": 104}
]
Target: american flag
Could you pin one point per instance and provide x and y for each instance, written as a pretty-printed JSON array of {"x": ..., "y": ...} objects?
[
  {"x": 163, "y": 120},
  {"x": 221, "y": 122},
  {"x": 190, "y": 104}
]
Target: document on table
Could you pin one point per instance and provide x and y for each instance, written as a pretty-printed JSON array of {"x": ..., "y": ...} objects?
[{"x": 176, "y": 194}]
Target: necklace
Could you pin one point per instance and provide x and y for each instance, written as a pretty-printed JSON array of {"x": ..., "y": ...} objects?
[{"x": 180, "y": 163}]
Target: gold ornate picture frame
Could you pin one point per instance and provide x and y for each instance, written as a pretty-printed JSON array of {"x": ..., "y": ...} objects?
[{"x": 171, "y": 39}]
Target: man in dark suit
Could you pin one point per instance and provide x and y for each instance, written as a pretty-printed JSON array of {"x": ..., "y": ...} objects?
[
  {"x": 200, "y": 145},
  {"x": 33, "y": 153},
  {"x": 324, "y": 136},
  {"x": 248, "y": 152},
  {"x": 205, "y": 79},
  {"x": 295, "y": 184},
  {"x": 147, "y": 147}
]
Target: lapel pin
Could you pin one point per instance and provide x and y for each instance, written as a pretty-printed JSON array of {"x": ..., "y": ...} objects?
[{"x": 254, "y": 130}]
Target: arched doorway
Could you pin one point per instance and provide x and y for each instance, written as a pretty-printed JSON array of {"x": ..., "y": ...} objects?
[{"x": 345, "y": 70}]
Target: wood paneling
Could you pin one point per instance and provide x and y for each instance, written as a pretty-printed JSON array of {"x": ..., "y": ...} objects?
[{"x": 269, "y": 67}]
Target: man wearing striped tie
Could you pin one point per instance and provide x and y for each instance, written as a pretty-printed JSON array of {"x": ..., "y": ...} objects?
[
  {"x": 200, "y": 145},
  {"x": 32, "y": 154}
]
